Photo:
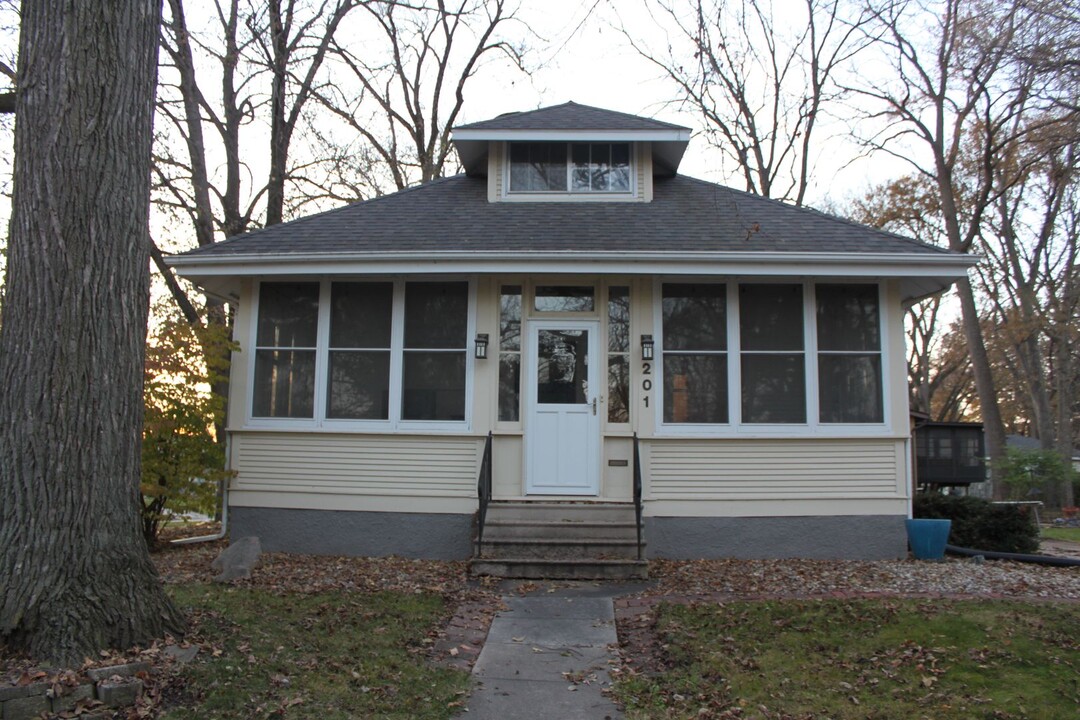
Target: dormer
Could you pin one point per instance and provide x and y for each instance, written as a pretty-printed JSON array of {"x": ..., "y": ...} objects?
[{"x": 570, "y": 153}]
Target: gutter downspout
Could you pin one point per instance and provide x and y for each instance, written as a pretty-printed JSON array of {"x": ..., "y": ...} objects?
[{"x": 224, "y": 502}]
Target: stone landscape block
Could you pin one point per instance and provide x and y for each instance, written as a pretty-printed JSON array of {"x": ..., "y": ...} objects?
[
  {"x": 125, "y": 670},
  {"x": 26, "y": 708},
  {"x": 119, "y": 694},
  {"x": 68, "y": 700}
]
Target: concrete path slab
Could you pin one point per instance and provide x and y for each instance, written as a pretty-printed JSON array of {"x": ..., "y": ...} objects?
[{"x": 548, "y": 656}]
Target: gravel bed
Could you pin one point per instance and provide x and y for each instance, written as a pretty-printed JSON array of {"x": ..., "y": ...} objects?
[{"x": 820, "y": 577}]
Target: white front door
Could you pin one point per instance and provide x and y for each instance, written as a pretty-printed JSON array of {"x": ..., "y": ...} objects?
[{"x": 562, "y": 432}]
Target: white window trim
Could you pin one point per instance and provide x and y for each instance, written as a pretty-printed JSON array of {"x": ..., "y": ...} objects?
[
  {"x": 735, "y": 427},
  {"x": 570, "y": 194},
  {"x": 395, "y": 423}
]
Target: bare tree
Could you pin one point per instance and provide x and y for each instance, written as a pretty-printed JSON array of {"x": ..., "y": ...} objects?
[
  {"x": 75, "y": 573},
  {"x": 397, "y": 98},
  {"x": 951, "y": 105},
  {"x": 760, "y": 86}
]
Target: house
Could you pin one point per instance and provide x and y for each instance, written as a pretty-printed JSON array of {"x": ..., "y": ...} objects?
[{"x": 604, "y": 319}]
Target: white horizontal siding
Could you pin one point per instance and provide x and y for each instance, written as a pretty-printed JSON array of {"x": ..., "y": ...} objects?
[
  {"x": 774, "y": 469},
  {"x": 357, "y": 464}
]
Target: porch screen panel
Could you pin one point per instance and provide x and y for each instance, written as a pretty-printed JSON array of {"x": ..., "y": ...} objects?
[
  {"x": 695, "y": 353},
  {"x": 849, "y": 354},
  {"x": 773, "y": 360},
  {"x": 434, "y": 355},
  {"x": 510, "y": 353},
  {"x": 285, "y": 339},
  {"x": 358, "y": 381}
]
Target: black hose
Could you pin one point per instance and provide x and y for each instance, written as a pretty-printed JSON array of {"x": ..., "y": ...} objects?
[{"x": 1016, "y": 557}]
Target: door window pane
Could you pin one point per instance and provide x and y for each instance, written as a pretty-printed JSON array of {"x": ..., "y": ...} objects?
[
  {"x": 564, "y": 298},
  {"x": 562, "y": 367},
  {"x": 284, "y": 384},
  {"x": 774, "y": 388},
  {"x": 436, "y": 314},
  {"x": 695, "y": 388}
]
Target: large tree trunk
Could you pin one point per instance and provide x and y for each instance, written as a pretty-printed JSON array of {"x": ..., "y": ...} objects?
[
  {"x": 993, "y": 427},
  {"x": 75, "y": 574}
]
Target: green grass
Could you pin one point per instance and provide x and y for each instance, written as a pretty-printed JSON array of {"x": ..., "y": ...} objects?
[
  {"x": 863, "y": 659},
  {"x": 326, "y": 655},
  {"x": 1062, "y": 533}
]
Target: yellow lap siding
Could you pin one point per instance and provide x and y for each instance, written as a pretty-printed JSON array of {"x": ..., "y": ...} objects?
[
  {"x": 737, "y": 469},
  {"x": 357, "y": 464}
]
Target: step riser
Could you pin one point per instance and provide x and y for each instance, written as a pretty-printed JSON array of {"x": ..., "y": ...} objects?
[
  {"x": 560, "y": 513},
  {"x": 559, "y": 531},
  {"x": 555, "y": 571},
  {"x": 542, "y": 551}
]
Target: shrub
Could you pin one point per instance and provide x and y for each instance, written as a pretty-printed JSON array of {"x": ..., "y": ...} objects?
[
  {"x": 1035, "y": 475},
  {"x": 981, "y": 525}
]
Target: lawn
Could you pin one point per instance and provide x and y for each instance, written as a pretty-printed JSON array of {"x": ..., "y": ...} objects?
[
  {"x": 324, "y": 655},
  {"x": 1061, "y": 533},
  {"x": 861, "y": 659}
]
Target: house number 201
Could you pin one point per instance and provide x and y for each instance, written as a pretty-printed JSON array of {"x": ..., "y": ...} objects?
[{"x": 646, "y": 382}]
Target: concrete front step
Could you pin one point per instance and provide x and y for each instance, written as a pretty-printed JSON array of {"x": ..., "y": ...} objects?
[
  {"x": 561, "y": 569},
  {"x": 566, "y": 512},
  {"x": 543, "y": 529},
  {"x": 557, "y": 548}
]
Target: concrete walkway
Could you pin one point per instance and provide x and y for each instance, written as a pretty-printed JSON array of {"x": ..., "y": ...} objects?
[{"x": 547, "y": 656}]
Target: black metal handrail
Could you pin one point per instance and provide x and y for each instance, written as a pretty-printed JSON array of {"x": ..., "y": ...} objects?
[
  {"x": 483, "y": 491},
  {"x": 637, "y": 495}
]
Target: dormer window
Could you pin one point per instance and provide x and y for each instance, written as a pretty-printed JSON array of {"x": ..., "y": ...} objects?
[{"x": 555, "y": 167}]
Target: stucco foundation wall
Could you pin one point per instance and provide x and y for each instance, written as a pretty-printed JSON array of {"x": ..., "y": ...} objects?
[
  {"x": 847, "y": 537},
  {"x": 430, "y": 536}
]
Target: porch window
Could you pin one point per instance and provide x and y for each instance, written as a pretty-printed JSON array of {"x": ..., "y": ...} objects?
[
  {"x": 564, "y": 298},
  {"x": 773, "y": 361},
  {"x": 695, "y": 353},
  {"x": 358, "y": 381},
  {"x": 618, "y": 401},
  {"x": 849, "y": 354},
  {"x": 510, "y": 353},
  {"x": 384, "y": 351},
  {"x": 545, "y": 167},
  {"x": 285, "y": 343},
  {"x": 433, "y": 366}
]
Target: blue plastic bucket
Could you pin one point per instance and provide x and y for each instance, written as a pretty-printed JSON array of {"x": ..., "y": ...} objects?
[{"x": 928, "y": 538}]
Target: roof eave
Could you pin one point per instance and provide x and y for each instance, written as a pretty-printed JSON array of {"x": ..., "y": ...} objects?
[{"x": 922, "y": 274}]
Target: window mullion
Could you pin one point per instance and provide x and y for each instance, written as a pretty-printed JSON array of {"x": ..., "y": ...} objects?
[
  {"x": 397, "y": 343},
  {"x": 734, "y": 345},
  {"x": 810, "y": 343}
]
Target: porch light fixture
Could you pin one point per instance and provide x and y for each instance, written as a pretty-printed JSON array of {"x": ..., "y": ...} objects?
[
  {"x": 646, "y": 347},
  {"x": 481, "y": 346}
]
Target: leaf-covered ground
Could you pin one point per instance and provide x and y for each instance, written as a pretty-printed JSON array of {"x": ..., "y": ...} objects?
[{"x": 884, "y": 658}]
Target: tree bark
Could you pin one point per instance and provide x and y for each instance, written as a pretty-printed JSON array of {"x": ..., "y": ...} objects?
[{"x": 75, "y": 573}]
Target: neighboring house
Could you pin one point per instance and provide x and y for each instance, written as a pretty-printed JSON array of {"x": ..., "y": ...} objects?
[
  {"x": 569, "y": 291},
  {"x": 1030, "y": 444}
]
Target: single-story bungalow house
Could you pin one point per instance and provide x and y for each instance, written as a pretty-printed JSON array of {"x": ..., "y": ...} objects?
[{"x": 566, "y": 338}]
